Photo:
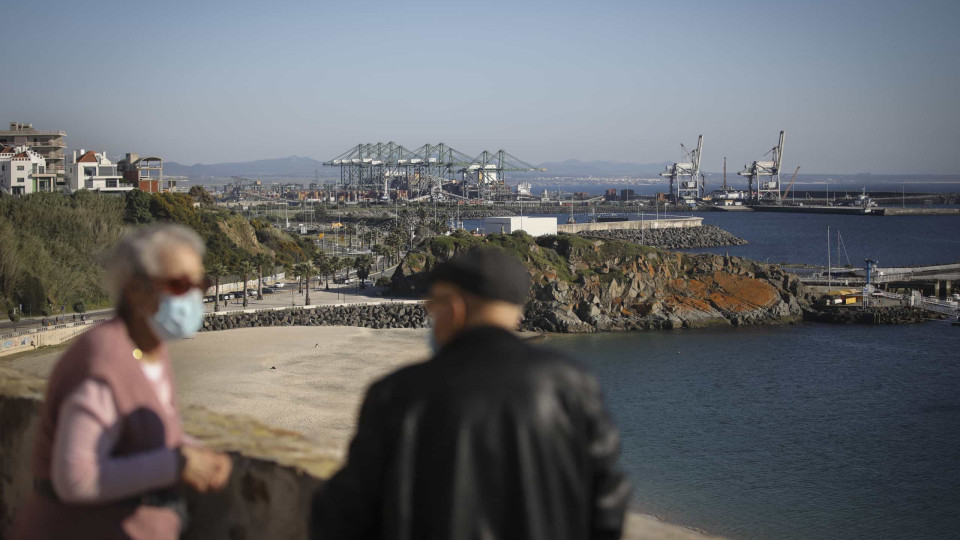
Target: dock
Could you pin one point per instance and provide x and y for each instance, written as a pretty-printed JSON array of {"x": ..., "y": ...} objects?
[{"x": 857, "y": 211}]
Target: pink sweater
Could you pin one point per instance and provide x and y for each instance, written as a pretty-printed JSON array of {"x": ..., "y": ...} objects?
[{"x": 83, "y": 469}]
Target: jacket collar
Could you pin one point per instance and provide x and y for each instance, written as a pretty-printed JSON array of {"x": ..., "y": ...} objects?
[{"x": 471, "y": 338}]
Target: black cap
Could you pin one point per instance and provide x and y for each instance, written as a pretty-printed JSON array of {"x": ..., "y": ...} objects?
[{"x": 488, "y": 272}]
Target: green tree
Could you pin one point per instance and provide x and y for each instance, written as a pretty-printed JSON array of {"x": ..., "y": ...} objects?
[
  {"x": 137, "y": 207},
  {"x": 362, "y": 264},
  {"x": 14, "y": 315},
  {"x": 381, "y": 252},
  {"x": 305, "y": 270},
  {"x": 215, "y": 269},
  {"x": 245, "y": 268},
  {"x": 262, "y": 260},
  {"x": 201, "y": 195}
]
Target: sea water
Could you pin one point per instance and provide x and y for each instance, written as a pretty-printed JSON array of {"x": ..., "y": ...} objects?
[{"x": 798, "y": 432}]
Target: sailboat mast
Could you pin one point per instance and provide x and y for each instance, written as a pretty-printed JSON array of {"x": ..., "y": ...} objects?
[{"x": 828, "y": 260}]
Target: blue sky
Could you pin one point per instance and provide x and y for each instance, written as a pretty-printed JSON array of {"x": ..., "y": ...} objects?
[{"x": 858, "y": 86}]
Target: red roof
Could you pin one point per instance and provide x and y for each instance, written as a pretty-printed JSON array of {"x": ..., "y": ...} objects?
[
  {"x": 89, "y": 157},
  {"x": 22, "y": 155},
  {"x": 6, "y": 149}
]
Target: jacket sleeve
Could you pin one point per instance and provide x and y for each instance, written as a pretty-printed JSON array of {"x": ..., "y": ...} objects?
[
  {"x": 348, "y": 505},
  {"x": 611, "y": 488}
]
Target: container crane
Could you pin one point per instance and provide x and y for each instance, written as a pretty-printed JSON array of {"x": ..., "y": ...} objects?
[
  {"x": 685, "y": 179},
  {"x": 766, "y": 174}
]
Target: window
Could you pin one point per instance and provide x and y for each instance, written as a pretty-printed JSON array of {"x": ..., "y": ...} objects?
[
  {"x": 19, "y": 167},
  {"x": 42, "y": 168}
]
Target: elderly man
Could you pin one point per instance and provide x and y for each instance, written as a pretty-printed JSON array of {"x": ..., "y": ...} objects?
[
  {"x": 110, "y": 452},
  {"x": 490, "y": 438}
]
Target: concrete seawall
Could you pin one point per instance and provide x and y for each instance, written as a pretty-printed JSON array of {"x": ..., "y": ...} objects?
[
  {"x": 647, "y": 224},
  {"x": 27, "y": 340}
]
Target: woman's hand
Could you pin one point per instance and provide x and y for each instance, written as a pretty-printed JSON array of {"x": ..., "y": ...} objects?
[{"x": 204, "y": 470}]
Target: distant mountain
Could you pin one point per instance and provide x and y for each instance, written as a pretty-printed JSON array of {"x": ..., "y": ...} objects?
[
  {"x": 575, "y": 167},
  {"x": 293, "y": 166}
]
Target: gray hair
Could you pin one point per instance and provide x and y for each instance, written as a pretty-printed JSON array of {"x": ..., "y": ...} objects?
[{"x": 137, "y": 255}]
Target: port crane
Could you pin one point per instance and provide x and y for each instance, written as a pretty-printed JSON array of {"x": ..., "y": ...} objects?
[
  {"x": 765, "y": 174},
  {"x": 240, "y": 185},
  {"x": 686, "y": 181}
]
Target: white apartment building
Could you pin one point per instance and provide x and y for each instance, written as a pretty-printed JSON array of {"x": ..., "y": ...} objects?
[
  {"x": 24, "y": 171},
  {"x": 92, "y": 170}
]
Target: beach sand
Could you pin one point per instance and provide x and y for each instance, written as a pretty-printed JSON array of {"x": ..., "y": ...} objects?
[{"x": 304, "y": 379}]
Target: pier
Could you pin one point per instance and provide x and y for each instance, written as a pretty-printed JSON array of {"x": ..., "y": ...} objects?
[{"x": 854, "y": 210}]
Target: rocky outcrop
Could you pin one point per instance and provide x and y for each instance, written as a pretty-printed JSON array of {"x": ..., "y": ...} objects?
[
  {"x": 397, "y": 315},
  {"x": 589, "y": 285},
  {"x": 686, "y": 238},
  {"x": 656, "y": 292},
  {"x": 873, "y": 315}
]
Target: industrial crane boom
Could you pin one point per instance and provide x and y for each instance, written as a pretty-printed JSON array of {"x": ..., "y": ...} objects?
[{"x": 790, "y": 185}]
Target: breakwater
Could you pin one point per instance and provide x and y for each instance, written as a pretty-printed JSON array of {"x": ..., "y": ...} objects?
[
  {"x": 693, "y": 237},
  {"x": 387, "y": 315},
  {"x": 873, "y": 315}
]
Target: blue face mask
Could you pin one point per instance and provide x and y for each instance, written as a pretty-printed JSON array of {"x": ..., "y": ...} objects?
[{"x": 178, "y": 316}]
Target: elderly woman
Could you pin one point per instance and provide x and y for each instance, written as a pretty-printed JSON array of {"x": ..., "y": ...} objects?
[{"x": 110, "y": 453}]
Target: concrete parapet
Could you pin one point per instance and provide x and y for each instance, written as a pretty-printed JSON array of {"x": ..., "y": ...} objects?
[
  {"x": 647, "y": 224},
  {"x": 27, "y": 340}
]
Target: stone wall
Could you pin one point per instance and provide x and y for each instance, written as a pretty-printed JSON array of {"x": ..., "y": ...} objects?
[
  {"x": 386, "y": 315},
  {"x": 686, "y": 238}
]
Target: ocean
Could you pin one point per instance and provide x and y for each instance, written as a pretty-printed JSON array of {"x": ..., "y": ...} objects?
[{"x": 799, "y": 432}]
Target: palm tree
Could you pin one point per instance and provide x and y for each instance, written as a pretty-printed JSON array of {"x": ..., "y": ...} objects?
[
  {"x": 295, "y": 272},
  {"x": 320, "y": 262},
  {"x": 368, "y": 237},
  {"x": 261, "y": 260},
  {"x": 380, "y": 251},
  {"x": 304, "y": 270},
  {"x": 363, "y": 264},
  {"x": 215, "y": 269},
  {"x": 245, "y": 268},
  {"x": 335, "y": 266}
]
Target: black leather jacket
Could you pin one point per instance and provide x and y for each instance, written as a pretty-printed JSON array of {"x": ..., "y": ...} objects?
[{"x": 492, "y": 438}]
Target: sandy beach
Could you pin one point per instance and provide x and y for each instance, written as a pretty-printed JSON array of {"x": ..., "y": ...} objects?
[{"x": 304, "y": 379}]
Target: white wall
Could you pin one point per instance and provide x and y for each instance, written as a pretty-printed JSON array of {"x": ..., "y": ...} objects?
[
  {"x": 10, "y": 175},
  {"x": 534, "y": 226}
]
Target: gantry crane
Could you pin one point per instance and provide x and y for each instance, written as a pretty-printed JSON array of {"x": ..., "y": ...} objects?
[
  {"x": 766, "y": 174},
  {"x": 686, "y": 182}
]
